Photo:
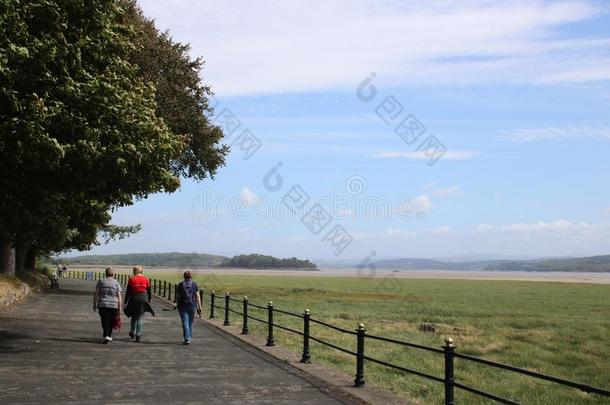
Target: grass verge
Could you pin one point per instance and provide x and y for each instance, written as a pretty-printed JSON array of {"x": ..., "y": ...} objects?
[{"x": 560, "y": 329}]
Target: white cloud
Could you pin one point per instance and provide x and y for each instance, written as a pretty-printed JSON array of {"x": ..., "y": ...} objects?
[
  {"x": 441, "y": 230},
  {"x": 562, "y": 132},
  {"x": 448, "y": 155},
  {"x": 421, "y": 203},
  {"x": 397, "y": 232},
  {"x": 249, "y": 197},
  {"x": 285, "y": 46},
  {"x": 484, "y": 227},
  {"x": 541, "y": 226},
  {"x": 447, "y": 191}
]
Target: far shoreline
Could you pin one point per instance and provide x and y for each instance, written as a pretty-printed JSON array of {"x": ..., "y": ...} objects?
[{"x": 546, "y": 276}]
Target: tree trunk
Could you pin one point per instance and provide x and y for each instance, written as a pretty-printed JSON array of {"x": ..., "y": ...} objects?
[
  {"x": 7, "y": 258},
  {"x": 20, "y": 254},
  {"x": 30, "y": 258}
]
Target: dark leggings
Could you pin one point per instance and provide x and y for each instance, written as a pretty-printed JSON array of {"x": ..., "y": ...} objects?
[{"x": 107, "y": 316}]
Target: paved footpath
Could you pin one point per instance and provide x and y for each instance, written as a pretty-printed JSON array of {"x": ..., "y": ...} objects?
[{"x": 51, "y": 352}]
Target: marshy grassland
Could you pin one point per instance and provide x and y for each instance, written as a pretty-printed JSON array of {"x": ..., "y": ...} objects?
[{"x": 562, "y": 329}]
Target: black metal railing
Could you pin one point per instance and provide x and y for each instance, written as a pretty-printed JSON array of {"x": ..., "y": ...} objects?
[{"x": 448, "y": 350}]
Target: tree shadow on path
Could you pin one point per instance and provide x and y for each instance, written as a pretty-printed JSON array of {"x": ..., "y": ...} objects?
[
  {"x": 8, "y": 339},
  {"x": 60, "y": 291}
]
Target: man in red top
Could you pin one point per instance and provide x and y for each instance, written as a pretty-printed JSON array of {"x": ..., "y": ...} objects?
[{"x": 137, "y": 301}]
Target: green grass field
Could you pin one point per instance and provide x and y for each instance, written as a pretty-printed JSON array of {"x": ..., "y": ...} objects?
[{"x": 556, "y": 328}]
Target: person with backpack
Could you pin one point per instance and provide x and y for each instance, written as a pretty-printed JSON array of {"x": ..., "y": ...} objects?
[{"x": 188, "y": 301}]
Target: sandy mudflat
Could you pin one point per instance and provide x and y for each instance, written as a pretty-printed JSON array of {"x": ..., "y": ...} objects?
[{"x": 564, "y": 277}]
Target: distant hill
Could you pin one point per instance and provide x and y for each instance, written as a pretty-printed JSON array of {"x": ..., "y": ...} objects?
[
  {"x": 190, "y": 260},
  {"x": 256, "y": 261},
  {"x": 595, "y": 264},
  {"x": 413, "y": 264},
  {"x": 173, "y": 259}
]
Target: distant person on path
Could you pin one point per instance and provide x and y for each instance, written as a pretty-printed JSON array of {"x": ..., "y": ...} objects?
[
  {"x": 107, "y": 300},
  {"x": 64, "y": 271},
  {"x": 188, "y": 301},
  {"x": 137, "y": 302}
]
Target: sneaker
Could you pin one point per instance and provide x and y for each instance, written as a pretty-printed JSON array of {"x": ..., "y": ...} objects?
[
  {"x": 106, "y": 341},
  {"x": 109, "y": 339},
  {"x": 187, "y": 342},
  {"x": 132, "y": 336},
  {"x": 138, "y": 338}
]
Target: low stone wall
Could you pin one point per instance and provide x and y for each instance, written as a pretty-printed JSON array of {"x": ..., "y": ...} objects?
[{"x": 12, "y": 291}]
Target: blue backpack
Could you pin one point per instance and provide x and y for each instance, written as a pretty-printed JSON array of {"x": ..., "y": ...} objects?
[{"x": 187, "y": 293}]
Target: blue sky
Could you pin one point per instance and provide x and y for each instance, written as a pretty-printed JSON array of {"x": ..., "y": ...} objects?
[{"x": 517, "y": 94}]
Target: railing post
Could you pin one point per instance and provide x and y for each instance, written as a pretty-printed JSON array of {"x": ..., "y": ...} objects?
[
  {"x": 244, "y": 327},
  {"x": 169, "y": 291},
  {"x": 270, "y": 338},
  {"x": 306, "y": 358},
  {"x": 164, "y": 288},
  {"x": 154, "y": 285},
  {"x": 449, "y": 349},
  {"x": 227, "y": 300},
  {"x": 359, "y": 381},
  {"x": 212, "y": 296}
]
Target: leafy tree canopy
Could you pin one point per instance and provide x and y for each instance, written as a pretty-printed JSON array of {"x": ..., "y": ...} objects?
[{"x": 97, "y": 109}]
